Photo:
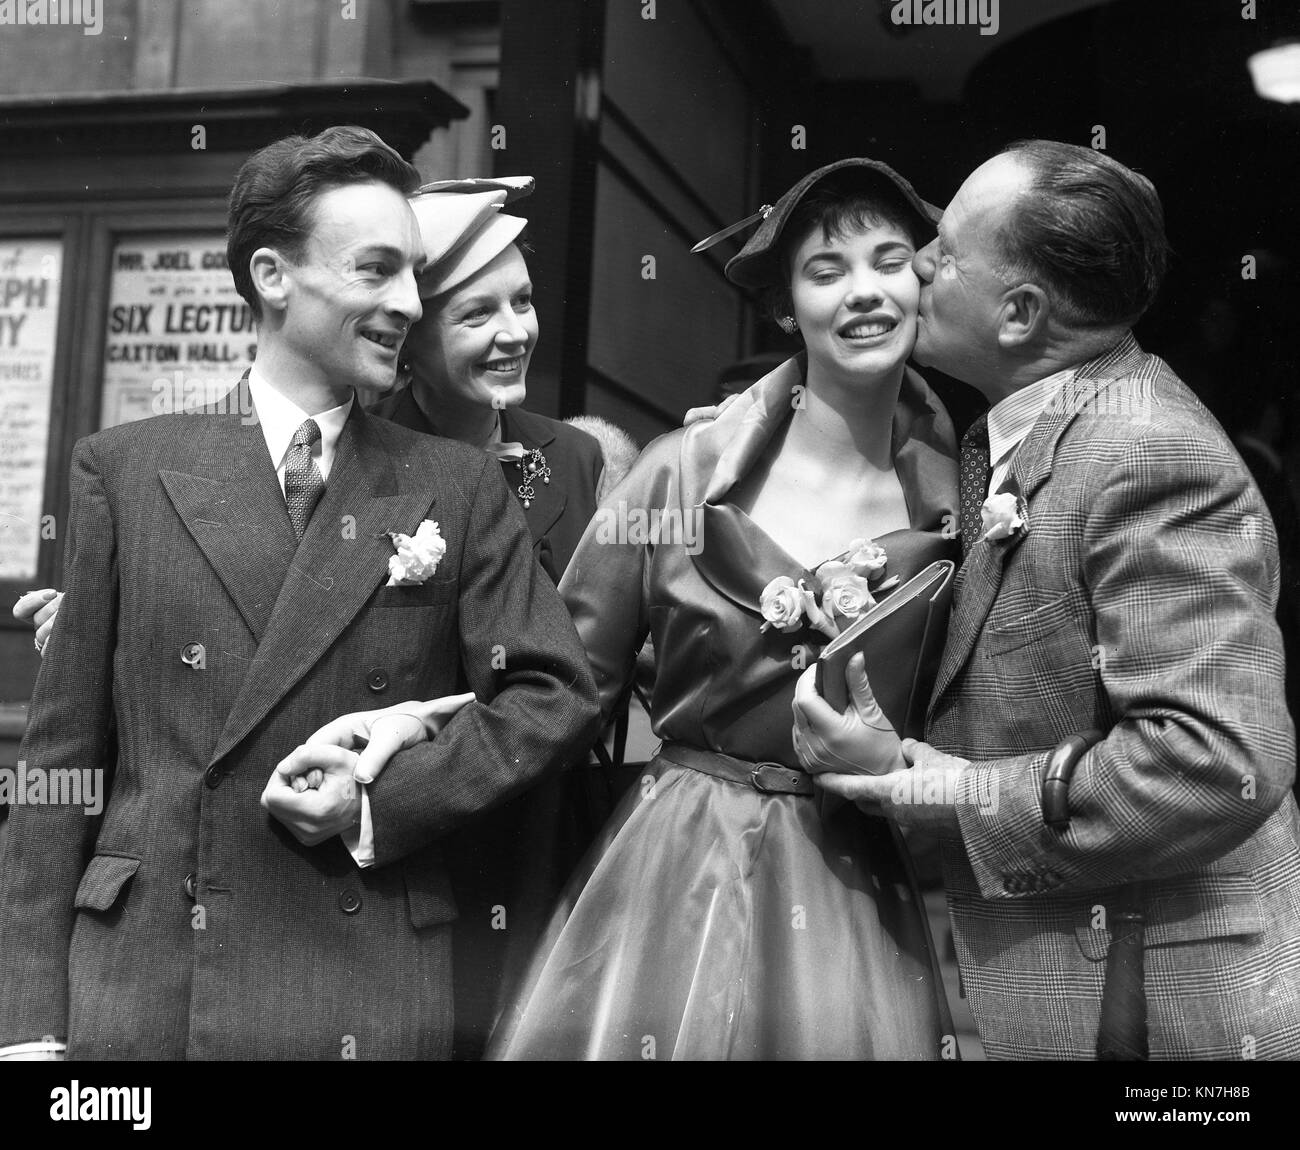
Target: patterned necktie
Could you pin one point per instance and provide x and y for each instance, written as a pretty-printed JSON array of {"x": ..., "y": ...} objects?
[
  {"x": 303, "y": 484},
  {"x": 973, "y": 480}
]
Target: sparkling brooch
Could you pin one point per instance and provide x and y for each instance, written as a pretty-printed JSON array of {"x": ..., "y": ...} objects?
[{"x": 534, "y": 467}]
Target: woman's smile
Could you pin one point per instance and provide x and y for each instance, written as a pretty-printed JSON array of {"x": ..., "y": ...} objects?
[
  {"x": 868, "y": 331},
  {"x": 855, "y": 298}
]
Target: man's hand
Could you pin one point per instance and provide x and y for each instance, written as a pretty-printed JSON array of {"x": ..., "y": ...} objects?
[
  {"x": 39, "y": 608},
  {"x": 924, "y": 797},
  {"x": 859, "y": 741},
  {"x": 315, "y": 813},
  {"x": 381, "y": 733}
]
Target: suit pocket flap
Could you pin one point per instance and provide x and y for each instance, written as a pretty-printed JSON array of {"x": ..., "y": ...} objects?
[
  {"x": 1188, "y": 909},
  {"x": 1003, "y": 635},
  {"x": 1210, "y": 906},
  {"x": 428, "y": 893},
  {"x": 430, "y": 593},
  {"x": 103, "y": 881}
]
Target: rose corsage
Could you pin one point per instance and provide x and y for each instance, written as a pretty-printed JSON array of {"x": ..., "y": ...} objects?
[{"x": 831, "y": 595}]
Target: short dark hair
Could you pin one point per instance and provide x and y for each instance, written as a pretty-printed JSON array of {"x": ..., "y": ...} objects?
[
  {"x": 841, "y": 204},
  {"x": 1088, "y": 230},
  {"x": 271, "y": 201}
]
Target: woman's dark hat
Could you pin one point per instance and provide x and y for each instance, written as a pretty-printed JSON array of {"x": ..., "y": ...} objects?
[{"x": 756, "y": 264}]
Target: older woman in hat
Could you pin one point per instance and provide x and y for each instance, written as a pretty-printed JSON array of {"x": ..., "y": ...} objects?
[
  {"x": 467, "y": 362},
  {"x": 724, "y": 911}
]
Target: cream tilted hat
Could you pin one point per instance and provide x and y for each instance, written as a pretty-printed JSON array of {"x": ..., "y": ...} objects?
[{"x": 463, "y": 227}]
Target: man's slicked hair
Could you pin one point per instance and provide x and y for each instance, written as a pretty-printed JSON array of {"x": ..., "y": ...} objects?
[
  {"x": 271, "y": 201},
  {"x": 1088, "y": 230}
]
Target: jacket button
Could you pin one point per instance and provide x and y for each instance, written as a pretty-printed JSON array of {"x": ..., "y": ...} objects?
[
  {"x": 377, "y": 679},
  {"x": 191, "y": 886},
  {"x": 349, "y": 902},
  {"x": 212, "y": 776},
  {"x": 192, "y": 654}
]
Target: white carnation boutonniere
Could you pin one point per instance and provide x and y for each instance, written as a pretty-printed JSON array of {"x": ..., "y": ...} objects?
[
  {"x": 831, "y": 596},
  {"x": 1004, "y": 516},
  {"x": 417, "y": 555}
]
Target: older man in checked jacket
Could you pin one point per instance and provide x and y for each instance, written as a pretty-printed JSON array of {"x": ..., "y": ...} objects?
[{"x": 1122, "y": 579}]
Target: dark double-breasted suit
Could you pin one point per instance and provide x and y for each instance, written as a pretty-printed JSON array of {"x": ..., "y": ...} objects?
[
  {"x": 509, "y": 867},
  {"x": 207, "y": 643}
]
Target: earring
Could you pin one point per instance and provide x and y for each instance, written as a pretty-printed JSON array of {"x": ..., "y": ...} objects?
[{"x": 787, "y": 324}]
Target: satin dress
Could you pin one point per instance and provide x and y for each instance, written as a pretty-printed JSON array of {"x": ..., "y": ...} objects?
[{"x": 710, "y": 920}]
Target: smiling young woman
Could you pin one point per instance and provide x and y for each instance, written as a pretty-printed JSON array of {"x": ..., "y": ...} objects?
[{"x": 724, "y": 912}]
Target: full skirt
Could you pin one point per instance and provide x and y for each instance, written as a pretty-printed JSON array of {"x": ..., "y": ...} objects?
[{"x": 710, "y": 921}]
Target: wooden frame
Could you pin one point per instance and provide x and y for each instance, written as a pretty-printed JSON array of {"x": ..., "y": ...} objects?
[{"x": 77, "y": 390}]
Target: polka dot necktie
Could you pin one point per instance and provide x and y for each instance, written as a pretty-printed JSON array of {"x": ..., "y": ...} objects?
[
  {"x": 973, "y": 480},
  {"x": 303, "y": 484}
]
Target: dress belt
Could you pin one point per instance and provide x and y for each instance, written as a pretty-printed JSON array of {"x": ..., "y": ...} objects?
[{"x": 769, "y": 778}]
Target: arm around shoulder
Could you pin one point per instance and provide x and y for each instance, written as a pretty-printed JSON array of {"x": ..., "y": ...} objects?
[{"x": 604, "y": 586}]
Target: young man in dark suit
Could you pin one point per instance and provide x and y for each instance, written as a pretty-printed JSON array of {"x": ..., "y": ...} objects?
[{"x": 231, "y": 587}]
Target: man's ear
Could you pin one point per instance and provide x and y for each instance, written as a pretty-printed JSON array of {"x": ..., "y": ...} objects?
[
  {"x": 268, "y": 271},
  {"x": 1022, "y": 316}
]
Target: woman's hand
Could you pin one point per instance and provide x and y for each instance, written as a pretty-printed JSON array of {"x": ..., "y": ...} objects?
[
  {"x": 860, "y": 741},
  {"x": 39, "y": 609},
  {"x": 695, "y": 414},
  {"x": 381, "y": 733}
]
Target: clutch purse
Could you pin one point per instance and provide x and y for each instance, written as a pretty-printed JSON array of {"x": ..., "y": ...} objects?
[{"x": 902, "y": 639}]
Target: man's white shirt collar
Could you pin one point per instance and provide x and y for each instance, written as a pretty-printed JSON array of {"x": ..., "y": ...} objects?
[
  {"x": 280, "y": 418},
  {"x": 1011, "y": 419}
]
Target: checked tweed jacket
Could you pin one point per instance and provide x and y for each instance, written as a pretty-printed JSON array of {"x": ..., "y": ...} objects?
[
  {"x": 1140, "y": 602},
  {"x": 185, "y": 922}
]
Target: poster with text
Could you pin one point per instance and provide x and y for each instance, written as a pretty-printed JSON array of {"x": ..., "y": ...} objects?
[
  {"x": 29, "y": 319},
  {"x": 178, "y": 335}
]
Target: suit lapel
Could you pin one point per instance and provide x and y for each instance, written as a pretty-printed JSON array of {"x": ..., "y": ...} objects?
[
  {"x": 231, "y": 504},
  {"x": 516, "y": 424},
  {"x": 548, "y": 502},
  {"x": 980, "y": 577},
  {"x": 973, "y": 594},
  {"x": 342, "y": 559}
]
